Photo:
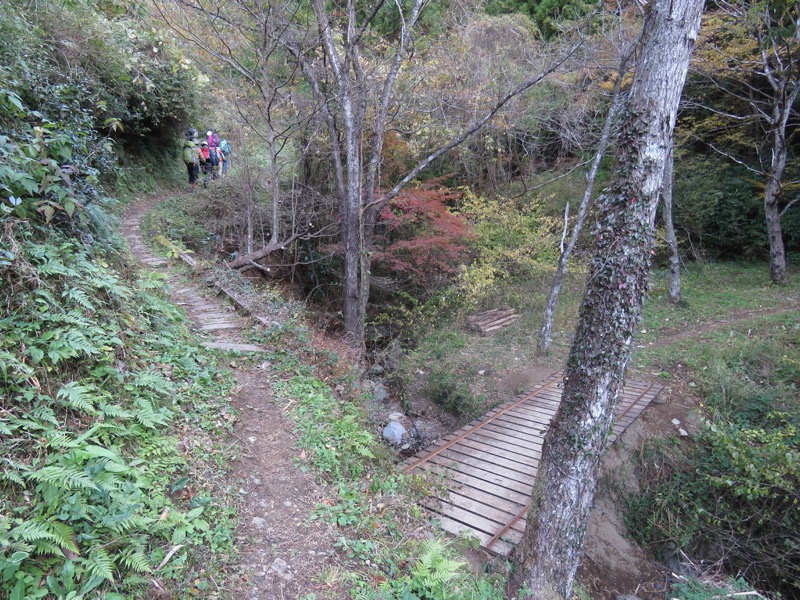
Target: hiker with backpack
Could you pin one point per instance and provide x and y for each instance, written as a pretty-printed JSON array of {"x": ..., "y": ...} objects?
[
  {"x": 225, "y": 148},
  {"x": 205, "y": 160},
  {"x": 190, "y": 157}
]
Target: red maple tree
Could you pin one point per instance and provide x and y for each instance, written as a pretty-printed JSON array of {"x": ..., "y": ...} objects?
[{"x": 422, "y": 240}]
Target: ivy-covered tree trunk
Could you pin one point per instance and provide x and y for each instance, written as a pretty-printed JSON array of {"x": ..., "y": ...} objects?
[{"x": 551, "y": 548}]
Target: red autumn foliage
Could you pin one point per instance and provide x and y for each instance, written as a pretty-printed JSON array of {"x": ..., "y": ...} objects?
[{"x": 421, "y": 238}]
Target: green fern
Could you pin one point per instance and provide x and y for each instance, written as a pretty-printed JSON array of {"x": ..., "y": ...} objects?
[
  {"x": 152, "y": 381},
  {"x": 135, "y": 559},
  {"x": 77, "y": 396},
  {"x": 59, "y": 439},
  {"x": 79, "y": 297},
  {"x": 64, "y": 477},
  {"x": 434, "y": 569},
  {"x": 99, "y": 563},
  {"x": 46, "y": 536}
]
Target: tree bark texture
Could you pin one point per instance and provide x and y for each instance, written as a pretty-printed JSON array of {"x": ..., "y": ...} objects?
[
  {"x": 674, "y": 288},
  {"x": 551, "y": 548},
  {"x": 772, "y": 193}
]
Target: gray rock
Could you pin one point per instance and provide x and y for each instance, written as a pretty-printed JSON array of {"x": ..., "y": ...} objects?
[
  {"x": 394, "y": 432},
  {"x": 258, "y": 522},
  {"x": 392, "y": 355},
  {"x": 379, "y": 393},
  {"x": 376, "y": 369},
  {"x": 280, "y": 567},
  {"x": 397, "y": 416}
]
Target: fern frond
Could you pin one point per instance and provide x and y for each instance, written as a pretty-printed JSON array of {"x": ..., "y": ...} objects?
[
  {"x": 32, "y": 532},
  {"x": 135, "y": 559},
  {"x": 43, "y": 412},
  {"x": 100, "y": 563},
  {"x": 152, "y": 381},
  {"x": 149, "y": 417},
  {"x": 6, "y": 428},
  {"x": 64, "y": 477},
  {"x": 47, "y": 548},
  {"x": 59, "y": 439},
  {"x": 115, "y": 411},
  {"x": 79, "y": 297},
  {"x": 434, "y": 567},
  {"x": 12, "y": 477},
  {"x": 65, "y": 535},
  {"x": 79, "y": 397}
]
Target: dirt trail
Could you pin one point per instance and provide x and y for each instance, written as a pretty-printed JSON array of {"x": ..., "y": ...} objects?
[{"x": 282, "y": 552}]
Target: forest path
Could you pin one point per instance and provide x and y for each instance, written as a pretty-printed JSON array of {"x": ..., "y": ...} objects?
[
  {"x": 667, "y": 338},
  {"x": 282, "y": 553}
]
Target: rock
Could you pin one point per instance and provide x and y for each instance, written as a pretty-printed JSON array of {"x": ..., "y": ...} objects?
[
  {"x": 628, "y": 597},
  {"x": 676, "y": 422},
  {"x": 280, "y": 567},
  {"x": 258, "y": 522},
  {"x": 392, "y": 355},
  {"x": 682, "y": 432},
  {"x": 375, "y": 369},
  {"x": 379, "y": 393},
  {"x": 394, "y": 432},
  {"x": 397, "y": 416}
]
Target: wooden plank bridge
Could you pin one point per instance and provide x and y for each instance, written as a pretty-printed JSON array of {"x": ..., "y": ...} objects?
[{"x": 486, "y": 469}]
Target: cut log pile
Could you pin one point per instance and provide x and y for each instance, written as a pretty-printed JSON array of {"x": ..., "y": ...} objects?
[{"x": 490, "y": 321}]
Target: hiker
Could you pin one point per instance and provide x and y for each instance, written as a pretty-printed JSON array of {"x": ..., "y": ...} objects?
[
  {"x": 226, "y": 149},
  {"x": 190, "y": 158},
  {"x": 216, "y": 161},
  {"x": 213, "y": 138},
  {"x": 205, "y": 162}
]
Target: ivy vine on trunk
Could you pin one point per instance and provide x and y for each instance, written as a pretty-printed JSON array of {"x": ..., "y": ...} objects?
[{"x": 549, "y": 553}]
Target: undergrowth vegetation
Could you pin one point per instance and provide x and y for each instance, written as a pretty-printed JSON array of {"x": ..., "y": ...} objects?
[
  {"x": 96, "y": 375},
  {"x": 730, "y": 495},
  {"x": 100, "y": 490}
]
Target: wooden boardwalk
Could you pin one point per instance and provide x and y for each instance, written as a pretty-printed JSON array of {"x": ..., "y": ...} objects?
[{"x": 485, "y": 470}]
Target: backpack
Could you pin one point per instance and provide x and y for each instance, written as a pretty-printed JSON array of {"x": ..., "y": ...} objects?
[
  {"x": 189, "y": 154},
  {"x": 225, "y": 146},
  {"x": 213, "y": 140},
  {"x": 213, "y": 157}
]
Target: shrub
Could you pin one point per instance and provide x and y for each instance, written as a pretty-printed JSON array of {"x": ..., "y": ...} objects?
[{"x": 732, "y": 494}]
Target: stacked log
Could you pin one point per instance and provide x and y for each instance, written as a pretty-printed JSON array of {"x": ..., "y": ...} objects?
[{"x": 490, "y": 321}]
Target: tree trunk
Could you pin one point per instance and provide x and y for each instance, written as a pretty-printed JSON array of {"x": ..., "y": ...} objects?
[
  {"x": 674, "y": 293},
  {"x": 551, "y": 548},
  {"x": 772, "y": 193}
]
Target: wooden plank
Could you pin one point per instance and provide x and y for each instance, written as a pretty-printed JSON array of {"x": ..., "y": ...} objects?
[
  {"x": 523, "y": 473},
  {"x": 477, "y": 522},
  {"x": 498, "y": 518},
  {"x": 519, "y": 430},
  {"x": 500, "y": 547},
  {"x": 487, "y": 313},
  {"x": 507, "y": 440},
  {"x": 488, "y": 477},
  {"x": 457, "y": 481},
  {"x": 504, "y": 504},
  {"x": 494, "y": 452},
  {"x": 233, "y": 346}
]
